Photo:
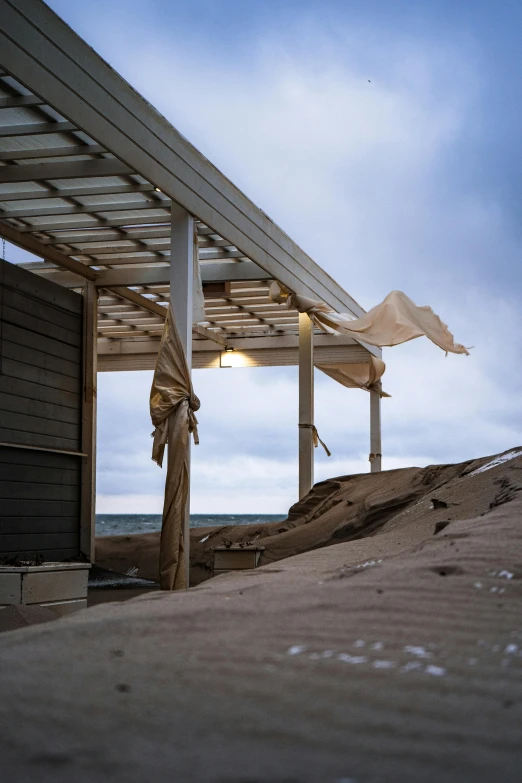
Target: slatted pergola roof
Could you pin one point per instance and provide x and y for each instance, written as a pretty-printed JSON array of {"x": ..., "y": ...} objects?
[
  {"x": 88, "y": 173},
  {"x": 73, "y": 196}
]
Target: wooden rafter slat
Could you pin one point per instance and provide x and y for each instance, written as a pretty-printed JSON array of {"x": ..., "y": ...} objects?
[
  {"x": 33, "y": 172},
  {"x": 92, "y": 222},
  {"x": 99, "y": 235},
  {"x": 67, "y": 150},
  {"x": 74, "y": 192},
  {"x": 21, "y": 213},
  {"x": 107, "y": 248},
  {"x": 35, "y": 129}
]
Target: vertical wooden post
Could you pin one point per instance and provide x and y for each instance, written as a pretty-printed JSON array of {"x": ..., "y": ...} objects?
[
  {"x": 181, "y": 285},
  {"x": 375, "y": 432},
  {"x": 88, "y": 440},
  {"x": 306, "y": 405}
]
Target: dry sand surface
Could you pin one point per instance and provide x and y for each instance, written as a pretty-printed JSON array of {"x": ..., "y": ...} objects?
[
  {"x": 394, "y": 657},
  {"x": 388, "y": 511}
]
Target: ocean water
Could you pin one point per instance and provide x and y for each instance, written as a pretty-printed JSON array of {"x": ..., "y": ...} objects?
[{"x": 124, "y": 524}]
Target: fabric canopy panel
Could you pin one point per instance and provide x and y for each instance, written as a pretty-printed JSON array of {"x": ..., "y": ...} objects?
[
  {"x": 396, "y": 320},
  {"x": 172, "y": 409},
  {"x": 358, "y": 376}
]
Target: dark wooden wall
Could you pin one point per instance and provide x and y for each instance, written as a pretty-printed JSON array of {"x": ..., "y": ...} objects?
[{"x": 40, "y": 409}]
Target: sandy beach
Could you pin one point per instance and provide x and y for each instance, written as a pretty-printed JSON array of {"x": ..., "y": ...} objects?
[
  {"x": 395, "y": 657},
  {"x": 380, "y": 513}
]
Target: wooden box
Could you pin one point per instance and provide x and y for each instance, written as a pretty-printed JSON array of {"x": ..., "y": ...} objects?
[
  {"x": 60, "y": 586},
  {"x": 236, "y": 558}
]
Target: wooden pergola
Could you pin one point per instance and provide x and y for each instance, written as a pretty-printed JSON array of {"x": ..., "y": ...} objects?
[{"x": 116, "y": 203}]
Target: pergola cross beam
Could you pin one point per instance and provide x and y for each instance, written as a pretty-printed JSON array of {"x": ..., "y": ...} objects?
[{"x": 110, "y": 167}]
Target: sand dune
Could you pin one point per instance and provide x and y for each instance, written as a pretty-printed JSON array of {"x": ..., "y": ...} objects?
[
  {"x": 384, "y": 512},
  {"x": 394, "y": 657}
]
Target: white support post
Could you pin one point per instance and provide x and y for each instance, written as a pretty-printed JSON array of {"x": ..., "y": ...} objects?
[
  {"x": 88, "y": 441},
  {"x": 181, "y": 284},
  {"x": 306, "y": 405},
  {"x": 375, "y": 432}
]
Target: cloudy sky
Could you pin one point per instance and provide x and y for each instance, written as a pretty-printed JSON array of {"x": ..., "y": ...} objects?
[{"x": 385, "y": 139}]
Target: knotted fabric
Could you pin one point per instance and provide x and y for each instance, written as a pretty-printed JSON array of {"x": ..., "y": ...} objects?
[{"x": 172, "y": 409}]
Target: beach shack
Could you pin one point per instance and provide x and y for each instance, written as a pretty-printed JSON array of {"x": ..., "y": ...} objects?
[{"x": 127, "y": 218}]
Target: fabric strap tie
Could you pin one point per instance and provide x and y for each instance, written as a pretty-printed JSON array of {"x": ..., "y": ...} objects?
[{"x": 315, "y": 437}]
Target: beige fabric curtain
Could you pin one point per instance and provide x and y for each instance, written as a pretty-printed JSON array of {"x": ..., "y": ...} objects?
[
  {"x": 396, "y": 320},
  {"x": 172, "y": 407},
  {"x": 358, "y": 376}
]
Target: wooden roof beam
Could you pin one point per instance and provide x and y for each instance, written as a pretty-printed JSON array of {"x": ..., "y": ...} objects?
[
  {"x": 15, "y": 101},
  {"x": 141, "y": 301},
  {"x": 203, "y": 331},
  {"x": 139, "y": 276},
  {"x": 52, "y": 152},
  {"x": 97, "y": 222},
  {"x": 36, "y": 128},
  {"x": 106, "y": 167},
  {"x": 81, "y": 209},
  {"x": 96, "y": 190},
  {"x": 108, "y": 235}
]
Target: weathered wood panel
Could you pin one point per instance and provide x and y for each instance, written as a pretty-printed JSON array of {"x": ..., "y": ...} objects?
[
  {"x": 39, "y": 325},
  {"x": 40, "y": 408},
  {"x": 46, "y": 508},
  {"x": 46, "y": 311},
  {"x": 43, "y": 290},
  {"x": 40, "y": 342},
  {"x": 31, "y": 390},
  {"x": 40, "y": 474},
  {"x": 28, "y": 422},
  {"x": 24, "y": 457},
  {"x": 30, "y": 438},
  {"x": 14, "y": 526},
  {"x": 14, "y": 403},
  {"x": 34, "y": 542},
  {"x": 31, "y": 372},
  {"x": 42, "y": 360},
  {"x": 18, "y": 490}
]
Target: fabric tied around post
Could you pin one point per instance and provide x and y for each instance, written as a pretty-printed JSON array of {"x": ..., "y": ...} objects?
[
  {"x": 315, "y": 437},
  {"x": 172, "y": 408}
]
